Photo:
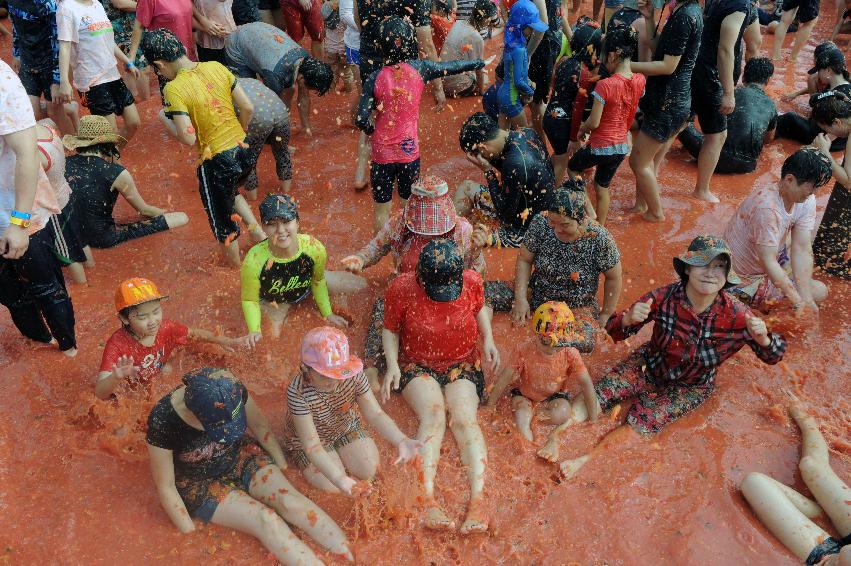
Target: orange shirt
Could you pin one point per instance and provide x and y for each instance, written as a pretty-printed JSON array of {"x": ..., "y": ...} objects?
[{"x": 542, "y": 375}]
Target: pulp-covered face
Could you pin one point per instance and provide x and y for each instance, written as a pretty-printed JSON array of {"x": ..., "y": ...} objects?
[
  {"x": 281, "y": 233},
  {"x": 708, "y": 279},
  {"x": 144, "y": 320},
  {"x": 566, "y": 229},
  {"x": 798, "y": 192}
]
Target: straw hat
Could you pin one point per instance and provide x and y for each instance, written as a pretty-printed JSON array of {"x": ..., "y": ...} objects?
[{"x": 92, "y": 131}]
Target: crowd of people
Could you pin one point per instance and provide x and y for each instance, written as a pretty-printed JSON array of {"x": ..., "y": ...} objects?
[{"x": 596, "y": 93}]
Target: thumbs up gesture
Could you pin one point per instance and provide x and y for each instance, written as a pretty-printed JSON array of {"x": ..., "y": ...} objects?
[
  {"x": 637, "y": 313},
  {"x": 757, "y": 329}
]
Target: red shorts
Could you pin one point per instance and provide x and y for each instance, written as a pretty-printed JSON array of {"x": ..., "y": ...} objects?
[{"x": 297, "y": 20}]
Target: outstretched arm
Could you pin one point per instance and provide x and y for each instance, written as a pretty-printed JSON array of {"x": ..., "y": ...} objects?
[{"x": 430, "y": 70}]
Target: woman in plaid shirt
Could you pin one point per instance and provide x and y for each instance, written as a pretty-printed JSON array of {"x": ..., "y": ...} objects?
[{"x": 698, "y": 326}]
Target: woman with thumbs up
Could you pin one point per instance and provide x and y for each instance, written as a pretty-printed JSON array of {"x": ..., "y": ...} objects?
[{"x": 698, "y": 326}]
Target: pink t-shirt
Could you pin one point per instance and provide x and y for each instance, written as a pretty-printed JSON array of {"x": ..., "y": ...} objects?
[
  {"x": 620, "y": 97},
  {"x": 53, "y": 160},
  {"x": 173, "y": 15},
  {"x": 89, "y": 31},
  {"x": 16, "y": 115},
  {"x": 218, "y": 11},
  {"x": 762, "y": 220},
  {"x": 398, "y": 90}
]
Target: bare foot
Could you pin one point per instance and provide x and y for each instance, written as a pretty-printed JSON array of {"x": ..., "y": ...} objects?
[
  {"x": 70, "y": 352},
  {"x": 650, "y": 217},
  {"x": 705, "y": 196},
  {"x": 436, "y": 519},
  {"x": 526, "y": 432},
  {"x": 570, "y": 467},
  {"x": 638, "y": 209},
  {"x": 476, "y": 521},
  {"x": 549, "y": 452},
  {"x": 372, "y": 377}
]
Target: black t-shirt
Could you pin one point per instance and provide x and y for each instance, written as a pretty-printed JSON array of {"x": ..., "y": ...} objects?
[
  {"x": 91, "y": 179},
  {"x": 527, "y": 179},
  {"x": 373, "y": 12},
  {"x": 35, "y": 33},
  {"x": 196, "y": 455},
  {"x": 554, "y": 16},
  {"x": 680, "y": 36},
  {"x": 755, "y": 114},
  {"x": 565, "y": 85},
  {"x": 713, "y": 16}
]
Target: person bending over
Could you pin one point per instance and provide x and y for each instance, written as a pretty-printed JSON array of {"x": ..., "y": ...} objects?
[
  {"x": 214, "y": 458},
  {"x": 673, "y": 374},
  {"x": 761, "y": 226},
  {"x": 751, "y": 125}
]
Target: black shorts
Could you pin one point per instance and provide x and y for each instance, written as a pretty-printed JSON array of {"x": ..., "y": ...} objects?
[
  {"x": 662, "y": 125},
  {"x": 382, "y": 177},
  {"x": 108, "y": 98},
  {"x": 607, "y": 165},
  {"x": 557, "y": 127},
  {"x": 706, "y": 94},
  {"x": 36, "y": 82},
  {"x": 462, "y": 370},
  {"x": 205, "y": 55},
  {"x": 541, "y": 67},
  {"x": 557, "y": 395},
  {"x": 218, "y": 179},
  {"x": 268, "y": 5},
  {"x": 120, "y": 233},
  {"x": 807, "y": 9}
]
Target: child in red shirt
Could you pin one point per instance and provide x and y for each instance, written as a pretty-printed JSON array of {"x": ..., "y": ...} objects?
[
  {"x": 544, "y": 372},
  {"x": 605, "y": 131},
  {"x": 136, "y": 353}
]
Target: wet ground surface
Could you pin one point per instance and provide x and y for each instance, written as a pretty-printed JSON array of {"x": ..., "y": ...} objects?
[{"x": 73, "y": 492}]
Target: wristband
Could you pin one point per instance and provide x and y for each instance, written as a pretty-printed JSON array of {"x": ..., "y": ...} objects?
[
  {"x": 21, "y": 215},
  {"x": 129, "y": 65},
  {"x": 19, "y": 222}
]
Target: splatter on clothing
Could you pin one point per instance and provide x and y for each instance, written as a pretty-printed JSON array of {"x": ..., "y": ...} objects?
[
  {"x": 283, "y": 280},
  {"x": 270, "y": 124},
  {"x": 34, "y": 41},
  {"x": 832, "y": 245},
  {"x": 472, "y": 372},
  {"x": 149, "y": 359},
  {"x": 559, "y": 111},
  {"x": 262, "y": 49},
  {"x": 541, "y": 375},
  {"x": 89, "y": 31}
]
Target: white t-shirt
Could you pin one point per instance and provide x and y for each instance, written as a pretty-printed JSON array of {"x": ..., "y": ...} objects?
[
  {"x": 90, "y": 31},
  {"x": 762, "y": 220},
  {"x": 16, "y": 115}
]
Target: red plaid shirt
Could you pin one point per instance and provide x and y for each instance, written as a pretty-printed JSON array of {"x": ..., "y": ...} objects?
[{"x": 687, "y": 347}]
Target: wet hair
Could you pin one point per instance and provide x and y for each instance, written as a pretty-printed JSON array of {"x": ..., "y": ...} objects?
[
  {"x": 105, "y": 149},
  {"x": 569, "y": 200},
  {"x": 441, "y": 8},
  {"x": 483, "y": 12},
  {"x": 161, "y": 45},
  {"x": 317, "y": 75},
  {"x": 758, "y": 70},
  {"x": 808, "y": 165},
  {"x": 829, "y": 106},
  {"x": 477, "y": 129},
  {"x": 587, "y": 42},
  {"x": 397, "y": 41},
  {"x": 622, "y": 39}
]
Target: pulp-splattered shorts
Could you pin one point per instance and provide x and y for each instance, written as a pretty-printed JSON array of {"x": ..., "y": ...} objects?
[
  {"x": 484, "y": 212},
  {"x": 759, "y": 291},
  {"x": 654, "y": 406},
  {"x": 462, "y": 370},
  {"x": 300, "y": 459},
  {"x": 203, "y": 496}
]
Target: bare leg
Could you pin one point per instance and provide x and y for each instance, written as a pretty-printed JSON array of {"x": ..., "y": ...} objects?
[
  {"x": 176, "y": 219},
  {"x": 537, "y": 110},
  {"x": 241, "y": 207},
  {"x": 90, "y": 260},
  {"x": 463, "y": 403},
  {"x": 786, "y": 19},
  {"x": 270, "y": 486},
  {"x": 241, "y": 512},
  {"x": 641, "y": 161},
  {"x": 344, "y": 283},
  {"x": 801, "y": 37},
  {"x": 706, "y": 162},
  {"x": 753, "y": 40},
  {"x": 522, "y": 408},
  {"x": 362, "y": 165},
  {"x": 77, "y": 272},
  {"x": 276, "y": 314},
  {"x": 131, "y": 122},
  {"x": 382, "y": 213},
  {"x": 621, "y": 436},
  {"x": 318, "y": 480},
  {"x": 360, "y": 458},
  {"x": 56, "y": 112},
  {"x": 557, "y": 411},
  {"x": 518, "y": 121},
  {"x": 560, "y": 166},
  {"x": 602, "y": 202},
  {"x": 464, "y": 196},
  {"x": 231, "y": 253},
  {"x": 424, "y": 396}
]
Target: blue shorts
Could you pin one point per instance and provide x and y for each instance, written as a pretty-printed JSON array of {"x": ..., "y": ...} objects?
[
  {"x": 507, "y": 105},
  {"x": 352, "y": 56}
]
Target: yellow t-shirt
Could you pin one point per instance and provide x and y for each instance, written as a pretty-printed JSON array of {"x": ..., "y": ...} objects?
[{"x": 204, "y": 94}]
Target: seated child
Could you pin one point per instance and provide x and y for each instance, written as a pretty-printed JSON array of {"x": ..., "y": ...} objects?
[
  {"x": 323, "y": 434},
  {"x": 137, "y": 352},
  {"x": 517, "y": 90},
  {"x": 283, "y": 270},
  {"x": 605, "y": 132},
  {"x": 545, "y": 372}
]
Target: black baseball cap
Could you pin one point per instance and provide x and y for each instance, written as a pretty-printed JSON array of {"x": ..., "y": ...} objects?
[
  {"x": 827, "y": 56},
  {"x": 278, "y": 206},
  {"x": 217, "y": 399},
  {"x": 441, "y": 270}
]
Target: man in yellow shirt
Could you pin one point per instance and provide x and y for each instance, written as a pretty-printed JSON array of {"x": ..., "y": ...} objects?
[{"x": 201, "y": 100}]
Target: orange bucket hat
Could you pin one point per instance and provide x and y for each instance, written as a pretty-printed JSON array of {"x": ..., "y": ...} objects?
[{"x": 135, "y": 291}]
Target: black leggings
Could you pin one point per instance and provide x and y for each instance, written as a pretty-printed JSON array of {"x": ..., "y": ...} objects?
[
  {"x": 33, "y": 290},
  {"x": 120, "y": 233}
]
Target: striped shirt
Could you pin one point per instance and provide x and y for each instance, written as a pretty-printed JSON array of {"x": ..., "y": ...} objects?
[{"x": 332, "y": 411}]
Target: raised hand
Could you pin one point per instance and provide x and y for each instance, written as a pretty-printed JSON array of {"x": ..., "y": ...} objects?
[{"x": 637, "y": 313}]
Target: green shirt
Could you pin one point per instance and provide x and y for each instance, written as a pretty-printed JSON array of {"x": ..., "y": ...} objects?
[{"x": 283, "y": 280}]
